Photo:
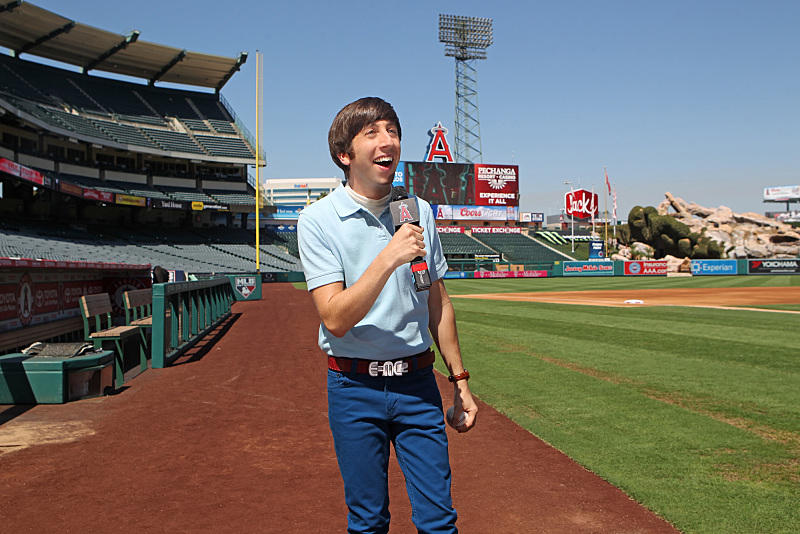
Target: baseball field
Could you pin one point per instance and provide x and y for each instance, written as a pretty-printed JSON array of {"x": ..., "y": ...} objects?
[
  {"x": 688, "y": 400},
  {"x": 596, "y": 416}
]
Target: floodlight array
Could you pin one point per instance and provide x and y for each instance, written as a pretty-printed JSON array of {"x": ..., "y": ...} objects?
[{"x": 465, "y": 37}]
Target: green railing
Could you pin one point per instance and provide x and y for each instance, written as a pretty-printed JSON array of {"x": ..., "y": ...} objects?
[{"x": 183, "y": 312}]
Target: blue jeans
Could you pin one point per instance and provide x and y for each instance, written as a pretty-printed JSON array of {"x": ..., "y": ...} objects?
[{"x": 367, "y": 414}]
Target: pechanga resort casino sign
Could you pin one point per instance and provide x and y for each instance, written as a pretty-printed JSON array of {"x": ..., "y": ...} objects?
[
  {"x": 496, "y": 185},
  {"x": 580, "y": 204}
]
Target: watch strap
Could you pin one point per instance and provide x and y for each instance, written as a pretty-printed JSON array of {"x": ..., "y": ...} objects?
[{"x": 459, "y": 376}]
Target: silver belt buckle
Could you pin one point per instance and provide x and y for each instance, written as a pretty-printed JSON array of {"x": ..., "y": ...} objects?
[{"x": 397, "y": 368}]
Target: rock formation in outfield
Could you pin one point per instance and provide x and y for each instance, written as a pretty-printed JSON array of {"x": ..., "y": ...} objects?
[
  {"x": 742, "y": 235},
  {"x": 676, "y": 229}
]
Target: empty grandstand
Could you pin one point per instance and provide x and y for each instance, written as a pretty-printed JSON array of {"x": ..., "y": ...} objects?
[
  {"x": 101, "y": 169},
  {"x": 516, "y": 246},
  {"x": 198, "y": 251}
]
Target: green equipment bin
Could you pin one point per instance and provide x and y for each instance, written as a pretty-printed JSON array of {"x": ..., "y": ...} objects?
[{"x": 28, "y": 379}]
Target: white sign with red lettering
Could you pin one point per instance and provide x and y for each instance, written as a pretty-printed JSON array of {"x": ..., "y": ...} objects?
[
  {"x": 450, "y": 229},
  {"x": 580, "y": 204}
]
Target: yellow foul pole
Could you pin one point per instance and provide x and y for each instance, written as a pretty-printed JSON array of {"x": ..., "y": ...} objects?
[
  {"x": 259, "y": 83},
  {"x": 605, "y": 201}
]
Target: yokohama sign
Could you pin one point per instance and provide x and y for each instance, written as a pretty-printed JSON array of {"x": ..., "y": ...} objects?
[
  {"x": 773, "y": 266},
  {"x": 581, "y": 204}
]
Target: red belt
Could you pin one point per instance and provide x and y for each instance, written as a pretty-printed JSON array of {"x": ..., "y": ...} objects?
[{"x": 381, "y": 368}]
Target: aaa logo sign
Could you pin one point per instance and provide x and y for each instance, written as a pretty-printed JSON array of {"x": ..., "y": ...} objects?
[{"x": 580, "y": 204}]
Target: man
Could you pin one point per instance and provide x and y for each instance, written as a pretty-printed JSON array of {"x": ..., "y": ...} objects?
[{"x": 357, "y": 270}]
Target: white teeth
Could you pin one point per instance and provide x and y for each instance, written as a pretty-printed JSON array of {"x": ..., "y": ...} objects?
[{"x": 385, "y": 159}]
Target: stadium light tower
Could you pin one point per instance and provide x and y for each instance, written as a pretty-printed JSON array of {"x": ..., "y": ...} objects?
[{"x": 466, "y": 39}]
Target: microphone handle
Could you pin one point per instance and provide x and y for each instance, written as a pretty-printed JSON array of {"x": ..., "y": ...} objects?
[{"x": 422, "y": 277}]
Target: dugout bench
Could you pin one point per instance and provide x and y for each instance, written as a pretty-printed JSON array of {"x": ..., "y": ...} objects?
[
  {"x": 99, "y": 328},
  {"x": 139, "y": 312}
]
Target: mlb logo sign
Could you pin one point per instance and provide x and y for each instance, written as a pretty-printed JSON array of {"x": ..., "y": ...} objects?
[{"x": 245, "y": 285}]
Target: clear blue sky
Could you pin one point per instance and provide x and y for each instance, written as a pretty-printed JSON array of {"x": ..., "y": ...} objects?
[{"x": 699, "y": 98}]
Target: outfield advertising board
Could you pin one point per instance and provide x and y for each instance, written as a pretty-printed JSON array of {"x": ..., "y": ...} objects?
[
  {"x": 588, "y": 268},
  {"x": 597, "y": 250},
  {"x": 496, "y": 230},
  {"x": 714, "y": 267},
  {"x": 483, "y": 213},
  {"x": 773, "y": 266},
  {"x": 645, "y": 268},
  {"x": 510, "y": 274}
]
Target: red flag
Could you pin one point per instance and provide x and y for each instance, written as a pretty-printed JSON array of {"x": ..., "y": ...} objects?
[{"x": 608, "y": 184}]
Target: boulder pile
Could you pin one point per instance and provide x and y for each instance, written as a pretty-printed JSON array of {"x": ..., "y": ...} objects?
[{"x": 740, "y": 235}]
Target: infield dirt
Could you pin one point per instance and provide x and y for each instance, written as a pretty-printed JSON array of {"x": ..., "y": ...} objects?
[{"x": 733, "y": 297}]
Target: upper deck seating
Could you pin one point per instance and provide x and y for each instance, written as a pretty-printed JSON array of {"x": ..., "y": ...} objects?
[{"x": 225, "y": 146}]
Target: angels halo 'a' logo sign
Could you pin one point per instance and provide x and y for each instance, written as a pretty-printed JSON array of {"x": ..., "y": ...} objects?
[
  {"x": 245, "y": 285},
  {"x": 580, "y": 204},
  {"x": 439, "y": 148}
]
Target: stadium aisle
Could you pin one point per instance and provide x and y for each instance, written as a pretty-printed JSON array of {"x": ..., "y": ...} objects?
[{"x": 234, "y": 438}]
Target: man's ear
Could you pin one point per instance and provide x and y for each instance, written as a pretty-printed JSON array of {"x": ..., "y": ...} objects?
[{"x": 344, "y": 158}]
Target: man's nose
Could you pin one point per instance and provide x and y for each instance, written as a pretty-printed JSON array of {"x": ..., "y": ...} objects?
[{"x": 385, "y": 137}]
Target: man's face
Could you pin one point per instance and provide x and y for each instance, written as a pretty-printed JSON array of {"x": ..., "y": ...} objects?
[{"x": 374, "y": 155}]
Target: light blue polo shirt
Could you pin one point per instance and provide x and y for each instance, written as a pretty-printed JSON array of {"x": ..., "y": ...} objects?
[{"x": 338, "y": 240}]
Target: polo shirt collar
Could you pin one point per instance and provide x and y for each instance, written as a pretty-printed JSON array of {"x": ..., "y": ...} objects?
[{"x": 343, "y": 202}]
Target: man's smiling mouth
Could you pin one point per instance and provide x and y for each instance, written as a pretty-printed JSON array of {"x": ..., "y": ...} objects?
[{"x": 384, "y": 161}]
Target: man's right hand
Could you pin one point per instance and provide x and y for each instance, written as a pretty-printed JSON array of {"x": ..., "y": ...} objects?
[{"x": 406, "y": 244}]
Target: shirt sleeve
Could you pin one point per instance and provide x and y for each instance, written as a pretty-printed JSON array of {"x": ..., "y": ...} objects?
[
  {"x": 437, "y": 264},
  {"x": 320, "y": 264}
]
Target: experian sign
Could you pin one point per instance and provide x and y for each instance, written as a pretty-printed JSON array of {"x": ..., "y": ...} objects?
[{"x": 714, "y": 267}]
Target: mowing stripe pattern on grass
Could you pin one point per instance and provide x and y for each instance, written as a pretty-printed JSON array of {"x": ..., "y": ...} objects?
[{"x": 694, "y": 412}]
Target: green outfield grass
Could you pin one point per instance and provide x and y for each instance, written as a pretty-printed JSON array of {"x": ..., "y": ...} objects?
[
  {"x": 695, "y": 413},
  {"x": 601, "y": 283}
]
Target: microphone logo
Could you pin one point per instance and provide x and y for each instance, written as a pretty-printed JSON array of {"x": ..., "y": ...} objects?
[{"x": 404, "y": 213}]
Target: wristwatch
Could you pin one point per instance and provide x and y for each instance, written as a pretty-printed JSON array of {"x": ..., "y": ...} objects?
[{"x": 460, "y": 376}]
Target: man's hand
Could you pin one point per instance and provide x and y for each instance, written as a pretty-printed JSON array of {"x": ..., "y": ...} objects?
[
  {"x": 406, "y": 244},
  {"x": 463, "y": 402}
]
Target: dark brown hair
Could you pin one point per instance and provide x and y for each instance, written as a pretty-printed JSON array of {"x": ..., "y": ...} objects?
[{"x": 351, "y": 120}]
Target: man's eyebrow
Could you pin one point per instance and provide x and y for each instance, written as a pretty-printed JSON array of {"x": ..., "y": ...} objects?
[{"x": 374, "y": 123}]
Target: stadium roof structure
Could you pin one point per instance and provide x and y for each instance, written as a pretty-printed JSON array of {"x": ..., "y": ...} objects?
[{"x": 29, "y": 29}]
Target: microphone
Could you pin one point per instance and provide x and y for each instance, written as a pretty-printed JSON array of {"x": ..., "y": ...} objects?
[{"x": 405, "y": 211}]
